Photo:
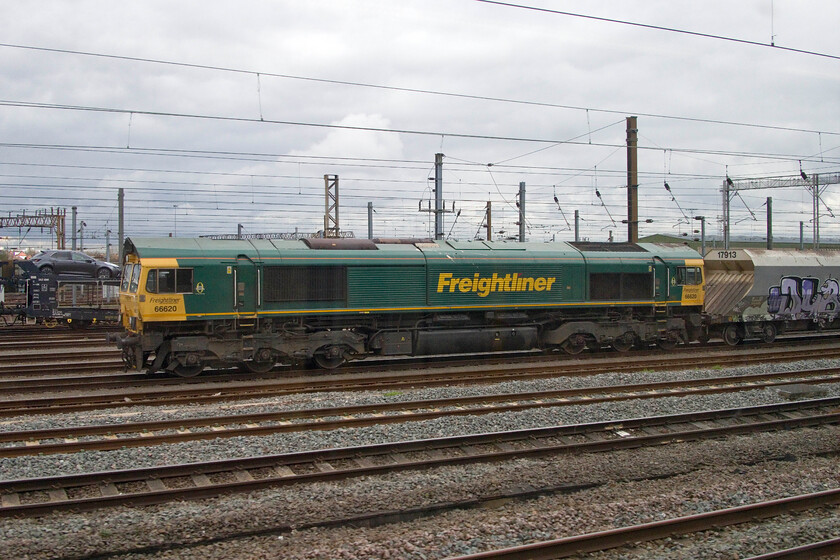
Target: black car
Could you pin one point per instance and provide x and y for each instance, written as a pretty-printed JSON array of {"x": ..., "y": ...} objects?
[{"x": 74, "y": 263}]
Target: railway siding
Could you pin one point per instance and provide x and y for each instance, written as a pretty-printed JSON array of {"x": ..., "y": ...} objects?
[
  {"x": 102, "y": 437},
  {"x": 146, "y": 486},
  {"x": 537, "y": 496}
]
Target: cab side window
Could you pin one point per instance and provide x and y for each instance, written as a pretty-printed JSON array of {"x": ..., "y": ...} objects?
[
  {"x": 166, "y": 281},
  {"x": 689, "y": 275},
  {"x": 170, "y": 281},
  {"x": 126, "y": 277},
  {"x": 184, "y": 281},
  {"x": 135, "y": 279},
  {"x": 151, "y": 282}
]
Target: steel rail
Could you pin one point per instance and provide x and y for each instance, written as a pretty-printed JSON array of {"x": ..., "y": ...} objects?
[
  {"x": 37, "y": 442},
  {"x": 804, "y": 552},
  {"x": 48, "y": 343},
  {"x": 16, "y": 333},
  {"x": 197, "y": 392},
  {"x": 47, "y": 360},
  {"x": 439, "y": 361},
  {"x": 78, "y": 367},
  {"x": 53, "y": 383},
  {"x": 97, "y": 380},
  {"x": 623, "y": 536},
  {"x": 201, "y": 480}
]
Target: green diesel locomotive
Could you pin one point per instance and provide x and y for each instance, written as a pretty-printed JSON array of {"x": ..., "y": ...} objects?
[{"x": 191, "y": 303}]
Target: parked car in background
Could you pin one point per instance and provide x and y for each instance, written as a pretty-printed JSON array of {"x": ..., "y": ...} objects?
[{"x": 74, "y": 263}]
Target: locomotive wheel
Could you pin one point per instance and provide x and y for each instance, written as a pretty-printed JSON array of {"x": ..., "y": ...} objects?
[
  {"x": 667, "y": 344},
  {"x": 325, "y": 362},
  {"x": 624, "y": 342},
  {"x": 263, "y": 361},
  {"x": 258, "y": 367},
  {"x": 731, "y": 336},
  {"x": 191, "y": 368},
  {"x": 50, "y": 323},
  {"x": 768, "y": 332},
  {"x": 188, "y": 371},
  {"x": 575, "y": 344},
  {"x": 329, "y": 357}
]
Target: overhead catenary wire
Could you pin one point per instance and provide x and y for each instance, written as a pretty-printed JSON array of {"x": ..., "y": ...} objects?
[
  {"x": 372, "y": 163},
  {"x": 463, "y": 135},
  {"x": 674, "y": 199},
  {"x": 246, "y": 156},
  {"x": 197, "y": 189},
  {"x": 573, "y": 172},
  {"x": 409, "y": 90},
  {"x": 589, "y": 134},
  {"x": 661, "y": 28}
]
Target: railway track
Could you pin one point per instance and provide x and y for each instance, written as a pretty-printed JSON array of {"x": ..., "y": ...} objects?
[
  {"x": 625, "y": 536},
  {"x": 74, "y": 353},
  {"x": 37, "y": 347},
  {"x": 74, "y": 359},
  {"x": 83, "y": 366},
  {"x": 69, "y": 352},
  {"x": 18, "y": 397},
  {"x": 138, "y": 434},
  {"x": 56, "y": 353},
  {"x": 153, "y": 485},
  {"x": 40, "y": 332}
]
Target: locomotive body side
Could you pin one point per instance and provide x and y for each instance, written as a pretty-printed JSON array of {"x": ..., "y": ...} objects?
[
  {"x": 636, "y": 294},
  {"x": 190, "y": 303}
]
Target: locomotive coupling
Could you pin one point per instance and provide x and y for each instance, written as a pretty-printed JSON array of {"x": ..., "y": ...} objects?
[{"x": 122, "y": 341}]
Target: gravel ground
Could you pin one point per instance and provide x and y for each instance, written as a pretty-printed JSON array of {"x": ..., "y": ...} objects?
[
  {"x": 226, "y": 448},
  {"x": 702, "y": 476},
  {"x": 699, "y": 477},
  {"x": 326, "y": 400}
]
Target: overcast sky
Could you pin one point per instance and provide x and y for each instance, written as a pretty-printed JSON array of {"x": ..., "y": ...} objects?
[{"x": 211, "y": 115}]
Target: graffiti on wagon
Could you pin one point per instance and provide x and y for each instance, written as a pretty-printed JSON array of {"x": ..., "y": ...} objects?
[{"x": 804, "y": 298}]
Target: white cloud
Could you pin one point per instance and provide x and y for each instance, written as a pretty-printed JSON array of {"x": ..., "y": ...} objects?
[
  {"x": 350, "y": 143},
  {"x": 467, "y": 48}
]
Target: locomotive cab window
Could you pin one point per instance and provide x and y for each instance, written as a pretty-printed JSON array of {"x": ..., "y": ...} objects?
[
  {"x": 689, "y": 275},
  {"x": 170, "y": 281},
  {"x": 126, "y": 277},
  {"x": 135, "y": 279}
]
